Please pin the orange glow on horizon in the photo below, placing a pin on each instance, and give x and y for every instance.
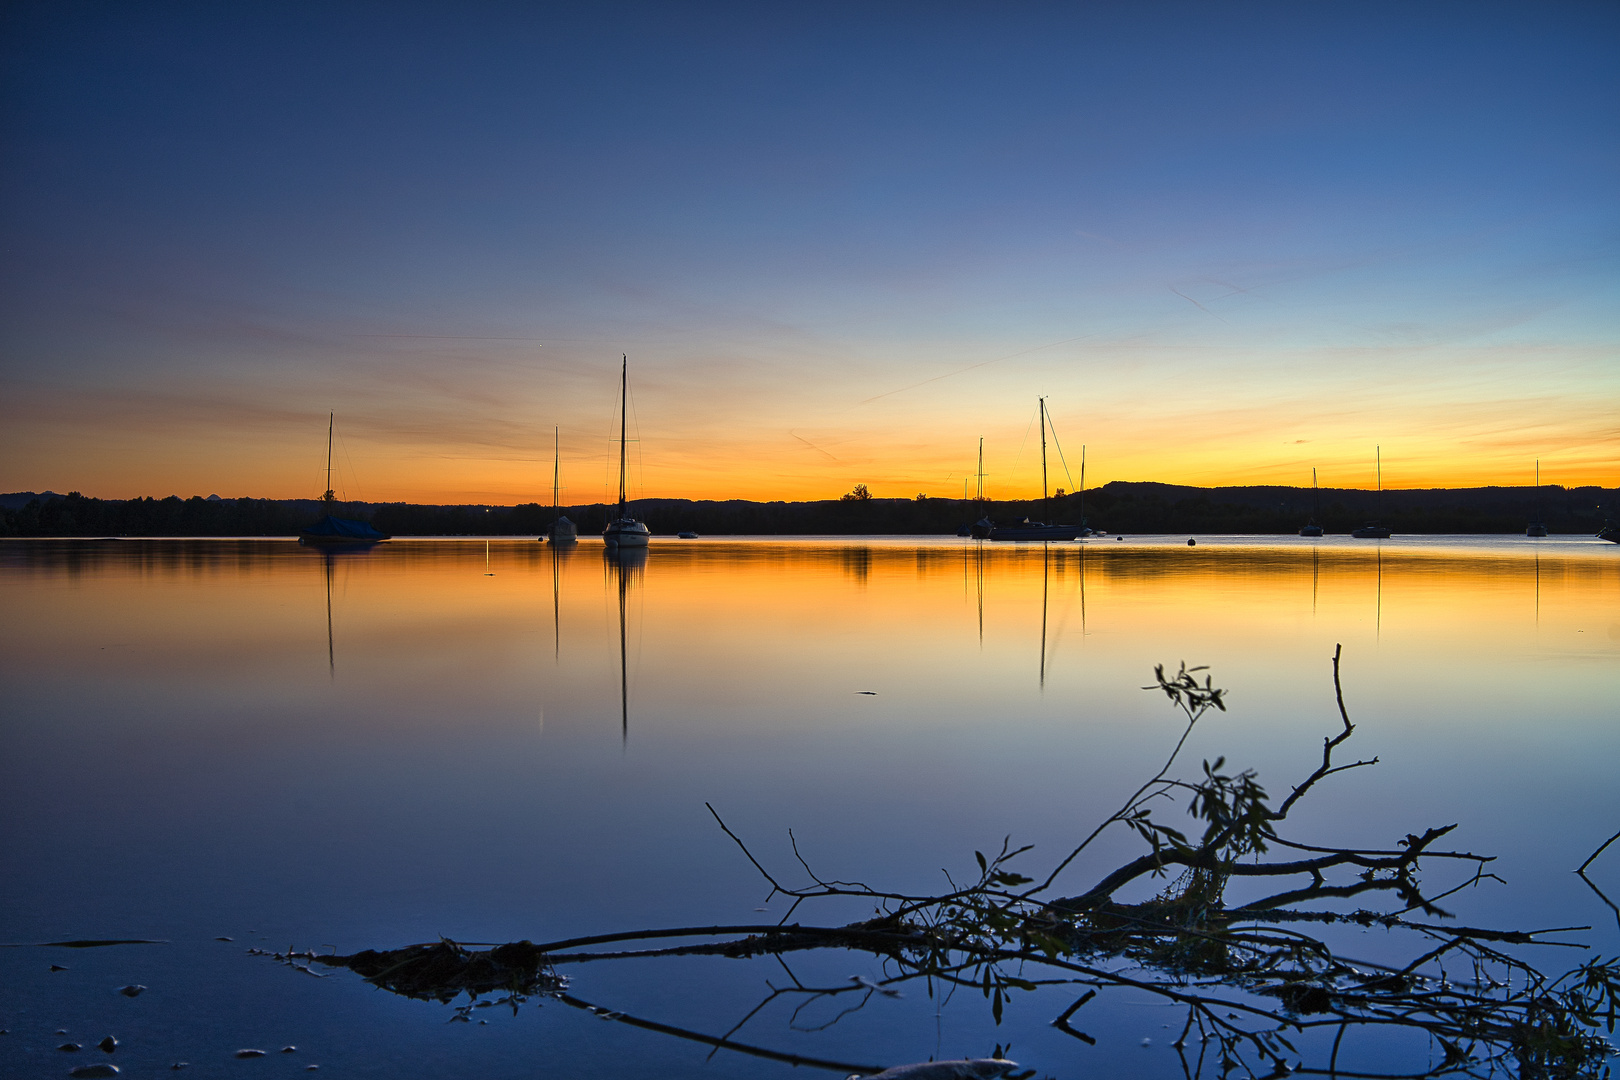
(782, 434)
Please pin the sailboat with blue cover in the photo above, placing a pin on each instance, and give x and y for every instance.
(332, 531)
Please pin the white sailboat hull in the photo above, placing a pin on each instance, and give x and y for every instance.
(626, 532)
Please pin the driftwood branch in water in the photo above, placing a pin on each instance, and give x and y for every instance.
(1247, 976)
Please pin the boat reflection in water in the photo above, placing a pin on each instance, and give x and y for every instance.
(330, 555)
(624, 565)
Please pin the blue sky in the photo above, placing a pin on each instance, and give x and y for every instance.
(839, 244)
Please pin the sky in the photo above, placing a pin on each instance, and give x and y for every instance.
(839, 244)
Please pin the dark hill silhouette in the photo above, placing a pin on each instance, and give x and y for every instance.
(16, 500)
(1120, 507)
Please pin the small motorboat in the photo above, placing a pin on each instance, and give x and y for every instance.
(687, 535)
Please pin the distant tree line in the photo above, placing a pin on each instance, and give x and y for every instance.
(1120, 507)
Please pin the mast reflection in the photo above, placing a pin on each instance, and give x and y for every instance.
(624, 564)
(331, 651)
(330, 554)
(559, 553)
(1046, 573)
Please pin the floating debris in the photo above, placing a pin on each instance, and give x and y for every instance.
(132, 990)
(868, 984)
(224, 939)
(58, 967)
(70, 1047)
(249, 1053)
(180, 1065)
(91, 1072)
(108, 1045)
(289, 1049)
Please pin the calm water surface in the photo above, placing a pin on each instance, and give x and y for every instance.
(247, 739)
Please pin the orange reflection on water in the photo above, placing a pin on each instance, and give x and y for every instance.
(719, 618)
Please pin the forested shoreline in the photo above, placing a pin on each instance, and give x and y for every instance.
(1120, 507)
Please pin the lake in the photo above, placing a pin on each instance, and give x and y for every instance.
(250, 740)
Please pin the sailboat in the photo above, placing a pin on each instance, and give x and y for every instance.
(980, 529)
(1038, 530)
(562, 530)
(1311, 528)
(1537, 527)
(1373, 530)
(624, 531)
(332, 531)
(1085, 530)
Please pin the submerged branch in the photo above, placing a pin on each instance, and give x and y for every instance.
(1247, 975)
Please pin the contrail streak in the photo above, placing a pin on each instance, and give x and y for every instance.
(1194, 303)
(814, 447)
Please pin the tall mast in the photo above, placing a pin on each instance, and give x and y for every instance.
(1316, 496)
(1046, 511)
(1378, 458)
(980, 473)
(1082, 484)
(624, 407)
(328, 497)
(556, 466)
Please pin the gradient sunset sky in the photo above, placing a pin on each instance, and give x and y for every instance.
(840, 243)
